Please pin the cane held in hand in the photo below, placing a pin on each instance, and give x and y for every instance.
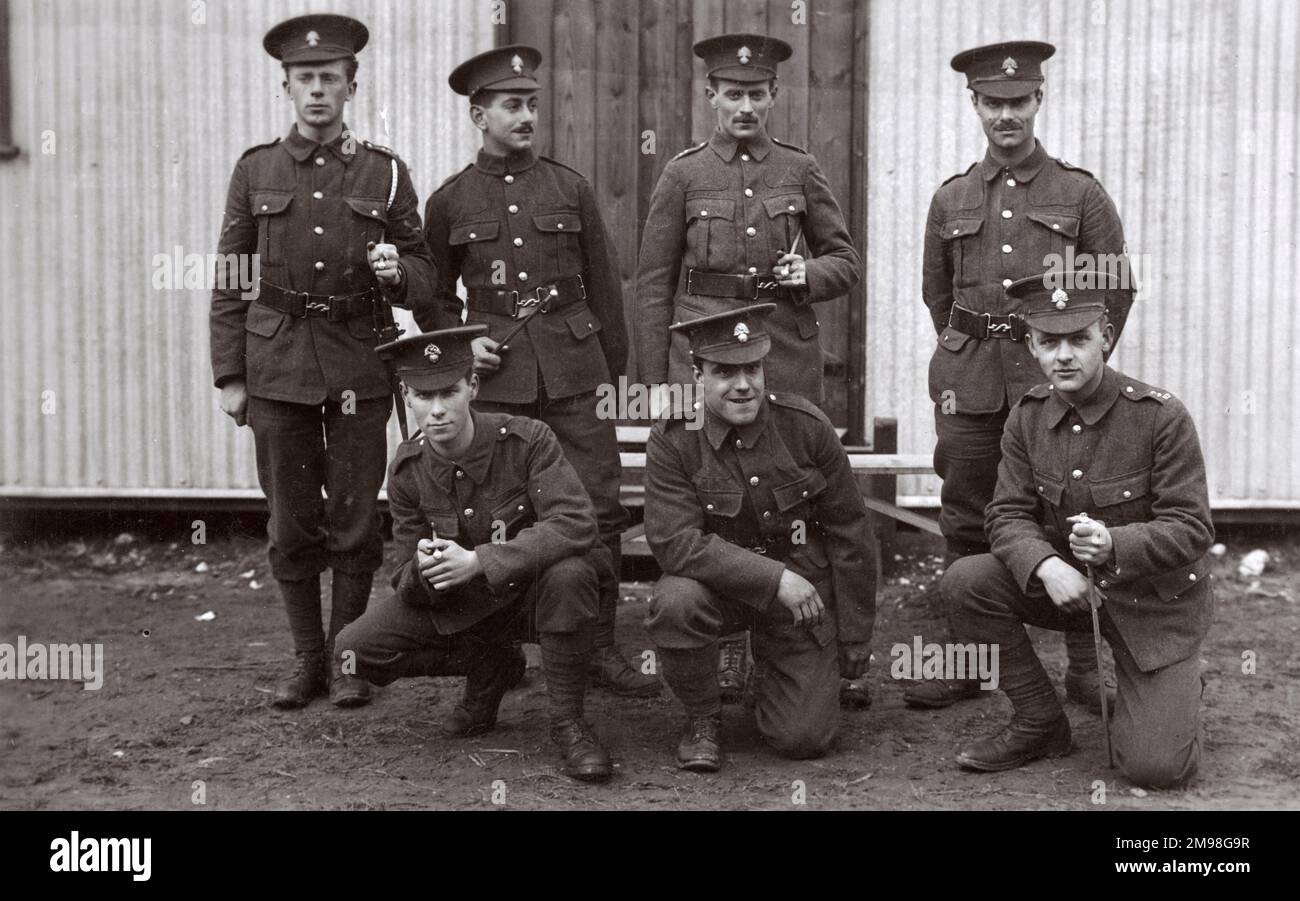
(1094, 604)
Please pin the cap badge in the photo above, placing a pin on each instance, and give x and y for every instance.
(1059, 297)
(516, 64)
(743, 54)
(1009, 66)
(312, 39)
(432, 352)
(741, 332)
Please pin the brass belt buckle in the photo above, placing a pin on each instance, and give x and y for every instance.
(309, 305)
(524, 302)
(990, 328)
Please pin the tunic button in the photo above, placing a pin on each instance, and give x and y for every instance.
(473, 235)
(753, 480)
(753, 270)
(520, 508)
(745, 157)
(374, 212)
(510, 179)
(1076, 429)
(1006, 283)
(1128, 493)
(751, 231)
(1191, 577)
(771, 397)
(523, 276)
(1006, 214)
(740, 444)
(317, 194)
(704, 214)
(460, 474)
(469, 511)
(320, 161)
(790, 208)
(1077, 474)
(804, 493)
(320, 265)
(502, 430)
(1011, 182)
(519, 242)
(1103, 584)
(514, 208)
(956, 231)
(264, 207)
(1006, 248)
(1056, 226)
(318, 230)
(708, 506)
(1128, 388)
(559, 226)
(767, 514)
(749, 192)
(1040, 489)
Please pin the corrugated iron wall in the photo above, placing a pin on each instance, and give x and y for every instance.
(146, 105)
(1187, 111)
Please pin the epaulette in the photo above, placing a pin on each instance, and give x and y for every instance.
(520, 426)
(387, 151)
(259, 147)
(1136, 391)
(1038, 392)
(561, 165)
(689, 150)
(959, 174)
(406, 451)
(798, 402)
(452, 178)
(1073, 168)
(790, 146)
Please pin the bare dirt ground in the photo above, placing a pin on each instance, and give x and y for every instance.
(186, 701)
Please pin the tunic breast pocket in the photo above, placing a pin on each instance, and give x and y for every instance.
(1050, 491)
(476, 240)
(271, 209)
(443, 523)
(560, 237)
(1050, 232)
(710, 232)
(369, 218)
(512, 515)
(960, 238)
(795, 498)
(1123, 499)
(785, 216)
(720, 499)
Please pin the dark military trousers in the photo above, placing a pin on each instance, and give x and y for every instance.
(1155, 731)
(590, 444)
(966, 457)
(304, 448)
(394, 639)
(797, 708)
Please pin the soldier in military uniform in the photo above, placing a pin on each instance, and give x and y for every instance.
(524, 235)
(1101, 476)
(335, 224)
(497, 539)
(1002, 219)
(757, 524)
(739, 218)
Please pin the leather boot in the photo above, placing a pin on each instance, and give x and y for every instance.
(733, 667)
(1083, 674)
(700, 749)
(1038, 727)
(931, 694)
(485, 686)
(349, 594)
(306, 682)
(855, 694)
(610, 670)
(584, 758)
(346, 690)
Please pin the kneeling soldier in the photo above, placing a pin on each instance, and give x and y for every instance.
(495, 530)
(757, 524)
(1101, 479)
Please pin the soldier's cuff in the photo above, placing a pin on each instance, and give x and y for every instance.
(1024, 564)
(397, 293)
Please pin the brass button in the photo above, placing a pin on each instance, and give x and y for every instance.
(519, 242)
(469, 511)
(320, 265)
(1011, 182)
(745, 157)
(751, 231)
(1040, 489)
(704, 214)
(473, 235)
(523, 276)
(708, 506)
(1076, 429)
(318, 230)
(317, 194)
(1077, 474)
(749, 192)
(514, 208)
(1128, 493)
(740, 444)
(753, 270)
(1006, 248)
(374, 212)
(804, 493)
(1056, 226)
(264, 207)
(460, 474)
(320, 161)
(956, 231)
(771, 397)
(510, 179)
(790, 208)
(1006, 283)
(1006, 214)
(520, 508)
(1128, 388)
(559, 226)
(753, 480)
(502, 430)
(767, 514)
(1103, 584)
(1191, 577)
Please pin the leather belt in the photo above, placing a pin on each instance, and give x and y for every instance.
(334, 307)
(986, 325)
(552, 296)
(724, 284)
(776, 547)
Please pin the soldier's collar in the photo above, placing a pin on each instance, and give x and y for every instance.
(300, 147)
(726, 147)
(515, 161)
(475, 461)
(1025, 170)
(1091, 410)
(716, 428)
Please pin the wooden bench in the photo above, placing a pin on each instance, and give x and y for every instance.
(876, 471)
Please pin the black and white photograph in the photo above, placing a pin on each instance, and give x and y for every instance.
(845, 406)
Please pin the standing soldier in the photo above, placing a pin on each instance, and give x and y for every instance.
(757, 524)
(728, 226)
(1101, 498)
(495, 536)
(1012, 215)
(334, 223)
(524, 235)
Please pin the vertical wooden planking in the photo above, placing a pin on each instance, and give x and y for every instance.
(709, 20)
(789, 119)
(856, 369)
(616, 135)
(573, 114)
(745, 15)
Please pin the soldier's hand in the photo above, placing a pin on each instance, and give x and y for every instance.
(1090, 540)
(385, 263)
(797, 595)
(1066, 586)
(854, 657)
(234, 401)
(790, 271)
(486, 358)
(450, 565)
